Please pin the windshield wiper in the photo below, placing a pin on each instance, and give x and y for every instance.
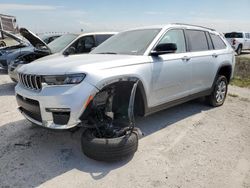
(107, 53)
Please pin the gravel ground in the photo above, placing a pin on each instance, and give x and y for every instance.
(245, 53)
(191, 145)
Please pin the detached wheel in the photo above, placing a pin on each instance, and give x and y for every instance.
(219, 93)
(108, 149)
(239, 50)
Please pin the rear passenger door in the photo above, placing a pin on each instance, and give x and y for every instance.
(202, 59)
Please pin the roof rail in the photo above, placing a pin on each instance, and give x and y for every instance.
(194, 26)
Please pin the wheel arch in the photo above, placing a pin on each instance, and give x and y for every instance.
(225, 70)
(140, 99)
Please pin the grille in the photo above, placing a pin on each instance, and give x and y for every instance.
(29, 81)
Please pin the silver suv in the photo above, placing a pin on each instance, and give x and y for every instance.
(171, 64)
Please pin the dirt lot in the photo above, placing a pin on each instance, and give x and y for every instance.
(191, 145)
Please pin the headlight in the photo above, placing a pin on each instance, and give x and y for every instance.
(63, 79)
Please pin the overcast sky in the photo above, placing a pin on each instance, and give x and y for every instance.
(73, 15)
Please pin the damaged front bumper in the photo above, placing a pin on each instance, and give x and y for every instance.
(55, 107)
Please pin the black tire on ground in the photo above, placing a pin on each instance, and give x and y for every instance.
(108, 149)
(219, 92)
(239, 49)
(2, 44)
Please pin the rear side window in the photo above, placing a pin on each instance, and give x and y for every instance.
(218, 42)
(101, 38)
(197, 40)
(234, 35)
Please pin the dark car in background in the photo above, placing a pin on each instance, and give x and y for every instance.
(67, 44)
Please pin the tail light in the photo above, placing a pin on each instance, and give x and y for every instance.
(233, 41)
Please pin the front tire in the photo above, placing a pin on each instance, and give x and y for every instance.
(108, 149)
(218, 95)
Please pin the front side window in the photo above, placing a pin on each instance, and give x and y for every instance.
(133, 42)
(197, 40)
(83, 44)
(175, 36)
(218, 42)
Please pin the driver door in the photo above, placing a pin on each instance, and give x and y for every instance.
(171, 78)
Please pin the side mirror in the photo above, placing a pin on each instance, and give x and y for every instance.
(164, 48)
(70, 50)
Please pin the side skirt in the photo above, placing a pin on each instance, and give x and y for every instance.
(170, 104)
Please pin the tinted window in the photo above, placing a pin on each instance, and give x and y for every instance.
(84, 44)
(133, 42)
(177, 37)
(218, 42)
(197, 40)
(234, 35)
(101, 38)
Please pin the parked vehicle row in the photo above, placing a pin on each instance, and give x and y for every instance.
(34, 48)
(133, 73)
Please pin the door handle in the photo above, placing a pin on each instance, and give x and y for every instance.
(186, 58)
(215, 55)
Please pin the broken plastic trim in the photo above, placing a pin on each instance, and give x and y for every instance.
(131, 115)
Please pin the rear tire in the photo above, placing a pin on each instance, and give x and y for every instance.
(218, 95)
(239, 50)
(108, 149)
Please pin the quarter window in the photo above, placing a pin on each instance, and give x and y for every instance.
(197, 40)
(218, 42)
(175, 36)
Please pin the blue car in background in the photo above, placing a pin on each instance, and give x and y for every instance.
(30, 44)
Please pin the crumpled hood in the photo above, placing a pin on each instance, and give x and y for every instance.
(80, 63)
(34, 40)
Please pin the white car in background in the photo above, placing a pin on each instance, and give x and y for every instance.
(68, 44)
(239, 41)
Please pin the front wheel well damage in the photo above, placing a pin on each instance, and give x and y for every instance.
(118, 110)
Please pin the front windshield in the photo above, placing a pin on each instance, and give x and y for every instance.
(129, 42)
(60, 43)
